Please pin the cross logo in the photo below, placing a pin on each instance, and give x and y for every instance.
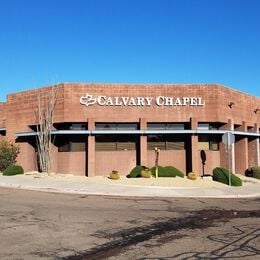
(88, 100)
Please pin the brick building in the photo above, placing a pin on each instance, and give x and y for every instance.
(101, 127)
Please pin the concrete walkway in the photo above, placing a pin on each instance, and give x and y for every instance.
(83, 185)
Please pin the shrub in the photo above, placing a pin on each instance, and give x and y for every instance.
(168, 171)
(136, 171)
(192, 176)
(13, 170)
(114, 175)
(174, 171)
(256, 171)
(8, 154)
(222, 175)
(146, 173)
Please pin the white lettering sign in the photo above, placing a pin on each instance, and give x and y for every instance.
(89, 100)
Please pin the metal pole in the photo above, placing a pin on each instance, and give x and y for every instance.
(229, 157)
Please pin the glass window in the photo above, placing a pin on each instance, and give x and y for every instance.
(175, 143)
(209, 142)
(116, 142)
(105, 126)
(209, 126)
(3, 132)
(127, 126)
(70, 126)
(175, 126)
(156, 126)
(166, 142)
(165, 126)
(203, 126)
(116, 126)
(203, 142)
(71, 143)
(78, 126)
(156, 141)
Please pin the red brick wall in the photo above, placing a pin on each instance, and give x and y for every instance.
(2, 115)
(19, 112)
(72, 163)
(122, 161)
(175, 158)
(212, 161)
(27, 157)
(20, 107)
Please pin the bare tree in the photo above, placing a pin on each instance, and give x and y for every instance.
(44, 124)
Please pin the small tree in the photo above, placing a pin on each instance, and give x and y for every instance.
(44, 123)
(8, 154)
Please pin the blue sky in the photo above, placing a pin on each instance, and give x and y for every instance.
(129, 41)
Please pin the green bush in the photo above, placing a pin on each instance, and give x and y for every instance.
(13, 170)
(136, 171)
(8, 154)
(222, 175)
(173, 171)
(168, 171)
(256, 171)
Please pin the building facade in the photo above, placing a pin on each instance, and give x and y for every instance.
(98, 128)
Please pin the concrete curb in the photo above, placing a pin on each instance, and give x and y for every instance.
(147, 191)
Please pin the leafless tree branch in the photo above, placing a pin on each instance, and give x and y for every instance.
(44, 123)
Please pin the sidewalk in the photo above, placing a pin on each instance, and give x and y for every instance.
(127, 187)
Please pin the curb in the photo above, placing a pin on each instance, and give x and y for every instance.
(121, 194)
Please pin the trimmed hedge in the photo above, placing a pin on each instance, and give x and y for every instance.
(136, 171)
(222, 175)
(256, 172)
(174, 171)
(13, 170)
(168, 171)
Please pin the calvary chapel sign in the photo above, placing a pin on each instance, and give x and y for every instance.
(90, 100)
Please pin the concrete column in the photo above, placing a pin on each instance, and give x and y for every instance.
(91, 152)
(253, 148)
(195, 160)
(241, 150)
(143, 143)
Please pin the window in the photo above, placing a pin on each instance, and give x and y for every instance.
(209, 126)
(2, 133)
(165, 126)
(116, 142)
(71, 143)
(70, 126)
(116, 126)
(209, 142)
(203, 126)
(166, 142)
